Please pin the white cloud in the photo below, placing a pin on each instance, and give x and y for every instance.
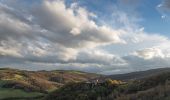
(54, 31)
(72, 24)
(149, 53)
(9, 52)
(54, 35)
(99, 57)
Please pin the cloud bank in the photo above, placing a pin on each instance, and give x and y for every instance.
(51, 34)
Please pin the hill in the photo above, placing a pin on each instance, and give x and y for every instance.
(138, 74)
(84, 91)
(32, 84)
(75, 85)
(156, 87)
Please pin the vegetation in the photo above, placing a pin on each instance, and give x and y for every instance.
(156, 87)
(75, 85)
(84, 91)
(17, 93)
(17, 84)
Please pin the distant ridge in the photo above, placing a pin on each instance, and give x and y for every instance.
(138, 74)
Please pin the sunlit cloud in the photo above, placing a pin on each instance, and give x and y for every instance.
(54, 34)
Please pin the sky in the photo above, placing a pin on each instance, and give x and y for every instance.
(98, 36)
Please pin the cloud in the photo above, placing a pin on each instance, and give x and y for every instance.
(149, 53)
(99, 57)
(52, 34)
(165, 5)
(72, 24)
(164, 8)
(137, 63)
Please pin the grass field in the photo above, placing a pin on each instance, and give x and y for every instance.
(16, 93)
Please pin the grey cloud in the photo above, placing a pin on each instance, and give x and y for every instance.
(137, 63)
(60, 26)
(60, 37)
(55, 31)
(164, 8)
(98, 57)
(13, 25)
(165, 5)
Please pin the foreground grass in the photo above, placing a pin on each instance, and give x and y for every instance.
(16, 93)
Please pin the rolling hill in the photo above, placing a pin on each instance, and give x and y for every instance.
(33, 84)
(155, 87)
(138, 74)
(75, 85)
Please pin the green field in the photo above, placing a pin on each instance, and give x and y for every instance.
(6, 93)
(16, 93)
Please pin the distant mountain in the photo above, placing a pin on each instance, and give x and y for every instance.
(138, 75)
